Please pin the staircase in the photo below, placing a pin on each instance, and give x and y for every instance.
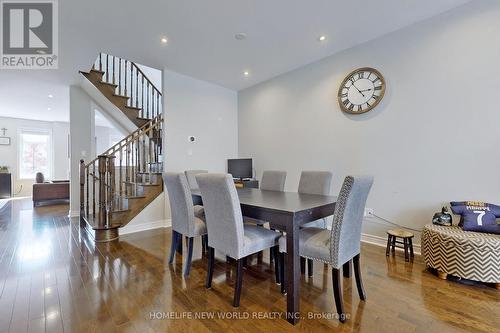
(118, 184)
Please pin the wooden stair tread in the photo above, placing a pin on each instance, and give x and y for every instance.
(109, 84)
(121, 96)
(141, 184)
(97, 71)
(135, 197)
(133, 108)
(147, 173)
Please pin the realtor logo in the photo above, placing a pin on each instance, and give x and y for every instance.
(29, 34)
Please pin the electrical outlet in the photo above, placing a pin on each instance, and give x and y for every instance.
(368, 212)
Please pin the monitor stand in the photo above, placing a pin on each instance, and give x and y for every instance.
(246, 183)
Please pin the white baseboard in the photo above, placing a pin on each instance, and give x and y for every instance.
(73, 213)
(132, 228)
(381, 241)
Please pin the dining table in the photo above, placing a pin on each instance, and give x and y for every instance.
(285, 211)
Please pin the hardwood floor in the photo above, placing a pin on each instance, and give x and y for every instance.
(53, 279)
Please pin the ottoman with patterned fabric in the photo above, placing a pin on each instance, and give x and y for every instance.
(468, 255)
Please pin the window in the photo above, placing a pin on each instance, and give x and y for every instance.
(34, 153)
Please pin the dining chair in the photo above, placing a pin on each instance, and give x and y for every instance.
(340, 244)
(273, 180)
(187, 220)
(226, 231)
(314, 182)
(191, 179)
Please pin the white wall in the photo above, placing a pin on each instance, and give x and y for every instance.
(82, 134)
(198, 108)
(433, 138)
(204, 110)
(9, 155)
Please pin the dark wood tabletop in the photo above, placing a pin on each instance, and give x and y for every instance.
(285, 211)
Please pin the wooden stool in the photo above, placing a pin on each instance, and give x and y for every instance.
(407, 242)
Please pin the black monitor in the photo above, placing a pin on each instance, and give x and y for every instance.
(240, 168)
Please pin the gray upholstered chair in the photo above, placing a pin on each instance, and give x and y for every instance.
(187, 220)
(226, 231)
(340, 244)
(191, 179)
(273, 180)
(314, 182)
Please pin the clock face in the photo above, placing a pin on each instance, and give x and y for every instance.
(361, 90)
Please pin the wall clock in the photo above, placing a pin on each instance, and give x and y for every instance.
(361, 90)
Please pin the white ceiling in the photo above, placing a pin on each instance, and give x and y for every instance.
(282, 35)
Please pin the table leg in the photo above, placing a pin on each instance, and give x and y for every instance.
(292, 273)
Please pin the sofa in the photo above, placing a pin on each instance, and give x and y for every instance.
(50, 190)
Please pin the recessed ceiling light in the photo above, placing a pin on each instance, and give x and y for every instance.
(48, 109)
(322, 38)
(246, 73)
(51, 96)
(240, 36)
(164, 40)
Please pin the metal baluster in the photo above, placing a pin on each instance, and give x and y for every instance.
(82, 188)
(100, 62)
(93, 189)
(136, 88)
(126, 93)
(143, 165)
(127, 163)
(87, 204)
(113, 69)
(119, 76)
(107, 71)
(147, 94)
(120, 189)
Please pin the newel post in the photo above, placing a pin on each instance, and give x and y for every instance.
(102, 220)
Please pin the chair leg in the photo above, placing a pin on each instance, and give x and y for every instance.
(239, 282)
(189, 258)
(302, 265)
(357, 274)
(388, 248)
(310, 267)
(346, 269)
(210, 269)
(275, 254)
(337, 293)
(204, 244)
(282, 257)
(393, 244)
(411, 248)
(173, 247)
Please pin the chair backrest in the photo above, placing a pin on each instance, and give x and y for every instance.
(181, 203)
(222, 213)
(315, 182)
(191, 178)
(273, 180)
(347, 219)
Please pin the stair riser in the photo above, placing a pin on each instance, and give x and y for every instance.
(121, 103)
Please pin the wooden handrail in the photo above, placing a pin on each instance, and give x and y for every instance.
(144, 75)
(134, 133)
